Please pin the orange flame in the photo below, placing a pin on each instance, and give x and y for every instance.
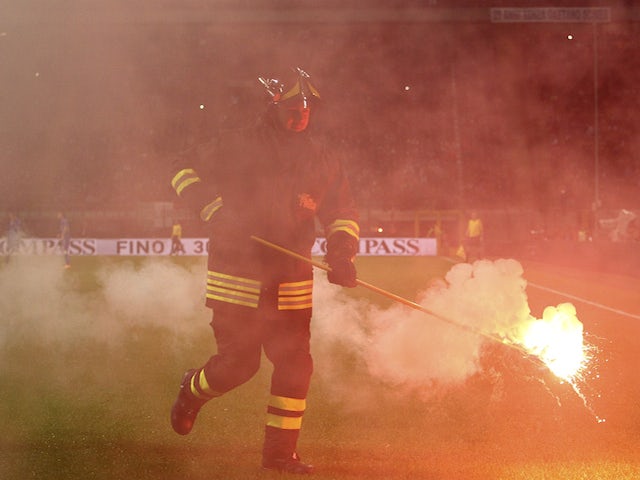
(557, 340)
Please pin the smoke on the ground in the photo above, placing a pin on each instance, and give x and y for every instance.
(355, 342)
(411, 350)
(42, 302)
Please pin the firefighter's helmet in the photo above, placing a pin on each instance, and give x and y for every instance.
(294, 86)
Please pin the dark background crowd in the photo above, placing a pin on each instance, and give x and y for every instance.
(434, 105)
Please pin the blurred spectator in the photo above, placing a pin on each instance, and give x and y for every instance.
(14, 234)
(176, 239)
(474, 238)
(619, 227)
(437, 233)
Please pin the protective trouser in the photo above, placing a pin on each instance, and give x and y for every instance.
(278, 321)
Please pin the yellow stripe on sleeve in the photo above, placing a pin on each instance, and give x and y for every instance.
(183, 179)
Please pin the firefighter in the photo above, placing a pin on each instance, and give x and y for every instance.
(271, 180)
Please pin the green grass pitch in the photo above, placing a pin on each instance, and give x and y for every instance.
(90, 361)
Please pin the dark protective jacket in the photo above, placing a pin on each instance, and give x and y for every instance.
(273, 184)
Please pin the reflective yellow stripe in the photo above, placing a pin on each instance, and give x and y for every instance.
(204, 385)
(183, 179)
(294, 91)
(194, 389)
(313, 89)
(284, 423)
(295, 295)
(299, 303)
(234, 301)
(207, 212)
(295, 288)
(348, 226)
(230, 281)
(201, 380)
(178, 176)
(230, 296)
(232, 289)
(287, 403)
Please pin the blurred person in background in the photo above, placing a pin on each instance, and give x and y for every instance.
(437, 232)
(14, 234)
(64, 238)
(272, 180)
(474, 238)
(177, 247)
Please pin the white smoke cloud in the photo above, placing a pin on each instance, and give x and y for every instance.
(410, 349)
(155, 292)
(41, 301)
(37, 300)
(354, 340)
(486, 296)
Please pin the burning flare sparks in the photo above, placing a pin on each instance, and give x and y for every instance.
(557, 340)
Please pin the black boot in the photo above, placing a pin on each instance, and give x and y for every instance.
(186, 407)
(278, 452)
(291, 464)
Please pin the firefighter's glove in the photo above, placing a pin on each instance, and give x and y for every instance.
(341, 250)
(343, 271)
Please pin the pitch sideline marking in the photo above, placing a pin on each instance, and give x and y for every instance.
(573, 297)
(589, 302)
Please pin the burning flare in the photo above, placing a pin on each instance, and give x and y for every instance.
(557, 340)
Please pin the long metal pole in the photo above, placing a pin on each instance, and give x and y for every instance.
(385, 293)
